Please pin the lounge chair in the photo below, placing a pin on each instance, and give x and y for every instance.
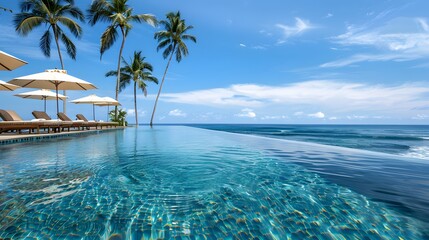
(98, 124)
(77, 124)
(44, 116)
(12, 121)
(9, 124)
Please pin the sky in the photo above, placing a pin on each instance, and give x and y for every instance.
(259, 62)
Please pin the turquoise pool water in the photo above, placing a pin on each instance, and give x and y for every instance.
(188, 183)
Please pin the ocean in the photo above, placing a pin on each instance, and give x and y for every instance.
(404, 140)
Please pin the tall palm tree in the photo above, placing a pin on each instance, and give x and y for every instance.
(51, 14)
(137, 71)
(119, 16)
(172, 39)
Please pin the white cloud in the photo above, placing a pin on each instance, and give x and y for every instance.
(317, 115)
(421, 117)
(259, 47)
(357, 117)
(298, 113)
(130, 112)
(329, 15)
(177, 113)
(274, 117)
(367, 58)
(333, 96)
(300, 26)
(242, 45)
(246, 112)
(333, 118)
(402, 39)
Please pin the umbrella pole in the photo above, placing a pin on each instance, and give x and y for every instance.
(93, 111)
(107, 119)
(56, 90)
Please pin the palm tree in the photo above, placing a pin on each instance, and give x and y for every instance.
(120, 16)
(122, 114)
(52, 14)
(172, 39)
(139, 72)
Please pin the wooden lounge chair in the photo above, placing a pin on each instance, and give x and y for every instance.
(98, 124)
(9, 124)
(13, 122)
(45, 116)
(77, 124)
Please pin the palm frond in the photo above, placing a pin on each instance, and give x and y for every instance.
(74, 28)
(26, 22)
(111, 73)
(151, 78)
(98, 11)
(108, 38)
(45, 43)
(148, 18)
(189, 37)
(163, 44)
(168, 51)
(124, 82)
(72, 11)
(27, 5)
(71, 48)
(179, 55)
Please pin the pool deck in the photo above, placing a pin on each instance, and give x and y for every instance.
(9, 138)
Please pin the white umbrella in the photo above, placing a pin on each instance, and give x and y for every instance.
(108, 101)
(42, 94)
(52, 79)
(91, 99)
(9, 62)
(4, 86)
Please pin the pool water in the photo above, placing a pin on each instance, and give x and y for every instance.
(187, 183)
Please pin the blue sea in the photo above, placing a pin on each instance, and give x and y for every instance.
(403, 140)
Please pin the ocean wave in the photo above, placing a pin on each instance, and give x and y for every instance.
(418, 152)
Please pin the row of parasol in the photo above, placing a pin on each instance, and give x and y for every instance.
(53, 79)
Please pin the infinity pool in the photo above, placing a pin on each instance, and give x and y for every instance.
(188, 183)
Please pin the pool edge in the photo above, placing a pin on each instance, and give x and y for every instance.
(37, 137)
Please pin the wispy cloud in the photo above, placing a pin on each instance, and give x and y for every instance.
(317, 115)
(333, 96)
(132, 112)
(402, 39)
(275, 117)
(246, 112)
(288, 31)
(177, 113)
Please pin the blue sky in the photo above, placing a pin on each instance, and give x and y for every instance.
(335, 62)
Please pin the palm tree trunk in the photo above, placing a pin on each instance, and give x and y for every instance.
(118, 79)
(135, 103)
(54, 28)
(160, 86)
